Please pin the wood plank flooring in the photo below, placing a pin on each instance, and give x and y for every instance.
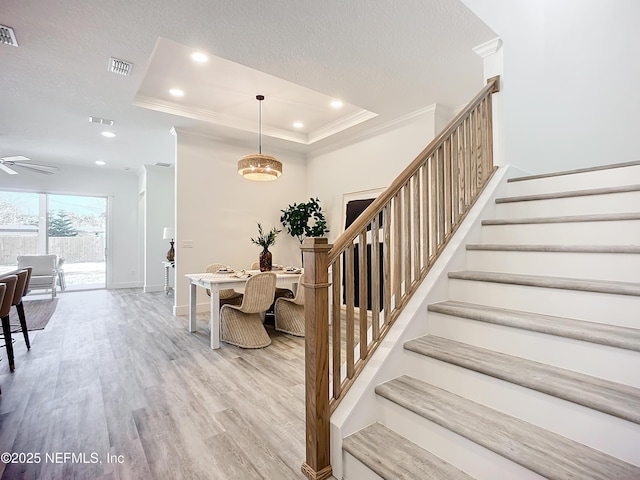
(115, 376)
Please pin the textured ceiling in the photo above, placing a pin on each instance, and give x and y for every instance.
(387, 57)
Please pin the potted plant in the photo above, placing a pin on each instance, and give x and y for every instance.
(265, 240)
(304, 220)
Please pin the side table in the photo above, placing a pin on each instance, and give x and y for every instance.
(167, 267)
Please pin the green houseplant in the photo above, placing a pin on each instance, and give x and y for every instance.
(304, 220)
(265, 240)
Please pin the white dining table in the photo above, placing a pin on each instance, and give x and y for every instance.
(221, 281)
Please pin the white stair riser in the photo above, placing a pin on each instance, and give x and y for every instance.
(468, 456)
(353, 469)
(594, 266)
(624, 232)
(627, 202)
(610, 363)
(559, 416)
(579, 181)
(595, 307)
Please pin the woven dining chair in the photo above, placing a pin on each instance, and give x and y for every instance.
(289, 314)
(242, 326)
(227, 296)
(280, 292)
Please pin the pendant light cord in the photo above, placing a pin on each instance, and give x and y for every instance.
(260, 98)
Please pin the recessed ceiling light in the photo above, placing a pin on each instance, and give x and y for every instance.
(108, 134)
(298, 124)
(199, 57)
(100, 162)
(336, 104)
(176, 92)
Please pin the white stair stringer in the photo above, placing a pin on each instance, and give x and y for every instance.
(530, 367)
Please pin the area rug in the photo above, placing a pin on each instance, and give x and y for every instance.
(37, 312)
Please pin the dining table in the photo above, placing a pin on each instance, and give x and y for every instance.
(220, 281)
(8, 269)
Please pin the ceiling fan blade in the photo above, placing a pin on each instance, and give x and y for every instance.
(8, 170)
(16, 158)
(46, 169)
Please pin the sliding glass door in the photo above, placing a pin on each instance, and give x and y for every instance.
(76, 233)
(70, 226)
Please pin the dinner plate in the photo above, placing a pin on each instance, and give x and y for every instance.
(226, 270)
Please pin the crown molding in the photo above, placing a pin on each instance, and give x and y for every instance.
(432, 110)
(208, 116)
(217, 119)
(488, 48)
(340, 125)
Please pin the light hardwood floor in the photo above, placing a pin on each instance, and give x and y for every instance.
(115, 374)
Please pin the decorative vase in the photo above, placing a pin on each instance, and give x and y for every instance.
(171, 253)
(265, 260)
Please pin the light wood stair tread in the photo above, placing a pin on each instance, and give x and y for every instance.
(622, 249)
(548, 454)
(392, 456)
(596, 286)
(600, 217)
(615, 399)
(600, 333)
(570, 194)
(572, 172)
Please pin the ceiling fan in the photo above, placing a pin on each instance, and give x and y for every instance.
(7, 164)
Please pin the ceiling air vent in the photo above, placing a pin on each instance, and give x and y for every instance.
(8, 36)
(120, 66)
(101, 121)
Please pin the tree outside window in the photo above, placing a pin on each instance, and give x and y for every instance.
(61, 225)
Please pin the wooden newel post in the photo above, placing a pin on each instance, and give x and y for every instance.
(315, 251)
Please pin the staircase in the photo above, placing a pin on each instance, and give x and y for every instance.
(531, 368)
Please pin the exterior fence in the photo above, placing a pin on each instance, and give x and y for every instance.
(72, 249)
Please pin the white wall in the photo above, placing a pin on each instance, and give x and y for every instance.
(570, 80)
(158, 188)
(369, 163)
(121, 188)
(217, 210)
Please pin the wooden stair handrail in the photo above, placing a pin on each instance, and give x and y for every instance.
(343, 241)
(398, 238)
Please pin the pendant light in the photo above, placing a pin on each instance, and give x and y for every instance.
(256, 166)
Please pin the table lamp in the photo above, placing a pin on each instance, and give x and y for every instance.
(168, 235)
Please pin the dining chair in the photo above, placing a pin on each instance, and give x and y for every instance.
(5, 307)
(228, 296)
(289, 313)
(62, 281)
(22, 287)
(280, 292)
(3, 288)
(44, 275)
(242, 325)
